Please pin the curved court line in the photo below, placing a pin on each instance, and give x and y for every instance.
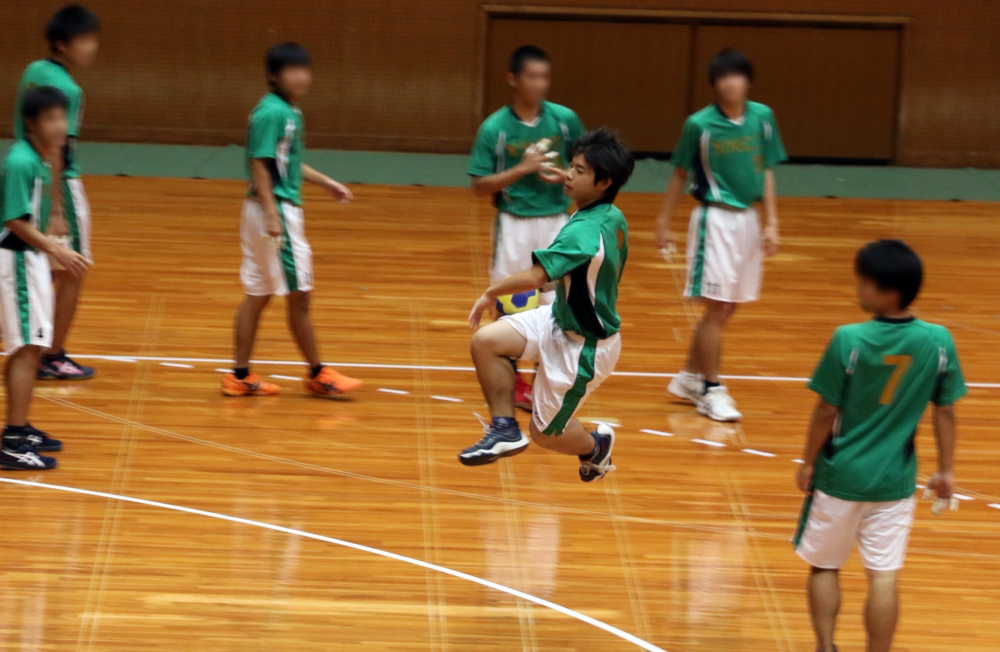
(362, 548)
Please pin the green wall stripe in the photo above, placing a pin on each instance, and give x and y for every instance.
(571, 401)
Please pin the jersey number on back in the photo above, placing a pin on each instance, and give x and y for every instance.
(901, 363)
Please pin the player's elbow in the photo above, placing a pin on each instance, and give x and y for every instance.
(479, 188)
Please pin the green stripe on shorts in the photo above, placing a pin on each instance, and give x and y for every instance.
(287, 256)
(803, 520)
(23, 309)
(698, 269)
(571, 401)
(69, 212)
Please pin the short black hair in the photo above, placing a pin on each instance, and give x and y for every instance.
(524, 54)
(605, 152)
(892, 265)
(730, 61)
(282, 55)
(69, 22)
(40, 99)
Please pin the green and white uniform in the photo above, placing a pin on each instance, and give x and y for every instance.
(26, 300)
(47, 72)
(726, 161)
(272, 267)
(575, 341)
(530, 212)
(880, 374)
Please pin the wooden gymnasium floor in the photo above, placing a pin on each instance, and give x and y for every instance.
(391, 544)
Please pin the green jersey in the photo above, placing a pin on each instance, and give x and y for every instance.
(275, 135)
(47, 72)
(500, 145)
(25, 192)
(587, 259)
(726, 159)
(881, 375)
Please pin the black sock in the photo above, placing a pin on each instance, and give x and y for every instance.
(13, 436)
(241, 373)
(53, 356)
(314, 371)
(709, 385)
(590, 455)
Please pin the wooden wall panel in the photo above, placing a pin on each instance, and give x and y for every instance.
(632, 76)
(834, 91)
(407, 74)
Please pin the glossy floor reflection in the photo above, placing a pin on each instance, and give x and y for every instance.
(684, 548)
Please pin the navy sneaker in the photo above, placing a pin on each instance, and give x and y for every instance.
(502, 438)
(41, 440)
(598, 464)
(24, 458)
(62, 367)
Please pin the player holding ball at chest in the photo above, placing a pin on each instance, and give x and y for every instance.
(575, 340)
(516, 160)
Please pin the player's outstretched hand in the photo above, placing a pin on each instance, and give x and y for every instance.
(339, 191)
(71, 261)
(552, 174)
(804, 478)
(476, 316)
(770, 240)
(533, 160)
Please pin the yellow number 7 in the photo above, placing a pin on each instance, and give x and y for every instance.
(901, 364)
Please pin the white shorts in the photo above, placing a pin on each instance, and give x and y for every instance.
(77, 212)
(829, 527)
(724, 254)
(514, 240)
(269, 267)
(26, 299)
(569, 366)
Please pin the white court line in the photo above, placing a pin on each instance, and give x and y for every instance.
(417, 367)
(613, 424)
(709, 443)
(285, 377)
(963, 497)
(994, 505)
(392, 391)
(177, 365)
(761, 453)
(448, 398)
(657, 432)
(357, 546)
(223, 371)
(797, 461)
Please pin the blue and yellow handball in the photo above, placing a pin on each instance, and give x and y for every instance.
(510, 304)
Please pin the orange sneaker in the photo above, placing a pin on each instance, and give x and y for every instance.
(330, 383)
(252, 385)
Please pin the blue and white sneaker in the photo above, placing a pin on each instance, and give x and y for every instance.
(598, 464)
(502, 438)
(41, 440)
(25, 458)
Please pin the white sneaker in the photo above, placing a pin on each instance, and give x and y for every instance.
(687, 386)
(717, 404)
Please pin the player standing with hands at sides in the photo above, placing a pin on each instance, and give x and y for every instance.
(726, 151)
(860, 464)
(32, 166)
(507, 165)
(277, 259)
(575, 340)
(74, 37)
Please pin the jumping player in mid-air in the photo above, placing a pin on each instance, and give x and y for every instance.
(73, 33)
(727, 151)
(528, 195)
(26, 306)
(575, 340)
(874, 383)
(277, 259)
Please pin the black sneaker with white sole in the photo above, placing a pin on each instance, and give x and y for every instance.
(502, 437)
(598, 464)
(40, 440)
(25, 458)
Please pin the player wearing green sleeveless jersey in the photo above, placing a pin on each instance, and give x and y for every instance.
(277, 258)
(860, 464)
(73, 35)
(725, 156)
(26, 304)
(575, 341)
(507, 165)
